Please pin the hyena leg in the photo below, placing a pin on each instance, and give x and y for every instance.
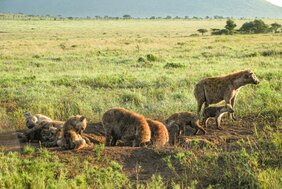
(231, 115)
(81, 143)
(205, 121)
(108, 139)
(114, 141)
(198, 127)
(196, 132)
(218, 121)
(200, 104)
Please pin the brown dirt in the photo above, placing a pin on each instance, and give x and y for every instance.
(143, 162)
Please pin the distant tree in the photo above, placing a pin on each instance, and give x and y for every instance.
(202, 31)
(256, 26)
(275, 26)
(127, 16)
(218, 17)
(230, 26)
(168, 17)
(260, 26)
(152, 17)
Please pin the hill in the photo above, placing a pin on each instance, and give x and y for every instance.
(146, 8)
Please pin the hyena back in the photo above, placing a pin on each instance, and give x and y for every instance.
(159, 133)
(130, 127)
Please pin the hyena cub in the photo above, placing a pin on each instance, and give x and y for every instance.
(130, 127)
(72, 130)
(216, 112)
(159, 133)
(177, 123)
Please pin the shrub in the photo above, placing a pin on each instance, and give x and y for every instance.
(141, 59)
(152, 58)
(220, 32)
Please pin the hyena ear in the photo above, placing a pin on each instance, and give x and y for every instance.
(82, 118)
(27, 114)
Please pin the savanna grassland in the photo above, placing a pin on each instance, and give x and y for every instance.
(66, 67)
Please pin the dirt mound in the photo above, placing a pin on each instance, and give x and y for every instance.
(144, 162)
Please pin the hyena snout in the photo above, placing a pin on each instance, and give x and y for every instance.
(255, 79)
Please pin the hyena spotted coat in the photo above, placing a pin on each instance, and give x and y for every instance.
(159, 133)
(177, 123)
(72, 130)
(216, 112)
(32, 120)
(213, 90)
(184, 119)
(130, 127)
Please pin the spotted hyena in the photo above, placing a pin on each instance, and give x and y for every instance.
(130, 127)
(159, 133)
(177, 123)
(32, 120)
(216, 112)
(40, 132)
(72, 130)
(213, 90)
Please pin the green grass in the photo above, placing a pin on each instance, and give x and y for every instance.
(61, 68)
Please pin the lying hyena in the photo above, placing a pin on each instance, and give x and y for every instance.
(159, 133)
(72, 130)
(32, 120)
(212, 90)
(52, 133)
(40, 132)
(216, 112)
(130, 127)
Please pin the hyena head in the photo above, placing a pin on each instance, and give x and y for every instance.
(227, 108)
(79, 123)
(46, 133)
(250, 77)
(30, 120)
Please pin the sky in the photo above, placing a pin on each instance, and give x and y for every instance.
(276, 2)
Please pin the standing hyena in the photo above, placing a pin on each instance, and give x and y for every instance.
(130, 127)
(159, 133)
(212, 90)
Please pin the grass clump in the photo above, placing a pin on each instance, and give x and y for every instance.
(174, 65)
(152, 58)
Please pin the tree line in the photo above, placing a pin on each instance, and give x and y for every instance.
(255, 26)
